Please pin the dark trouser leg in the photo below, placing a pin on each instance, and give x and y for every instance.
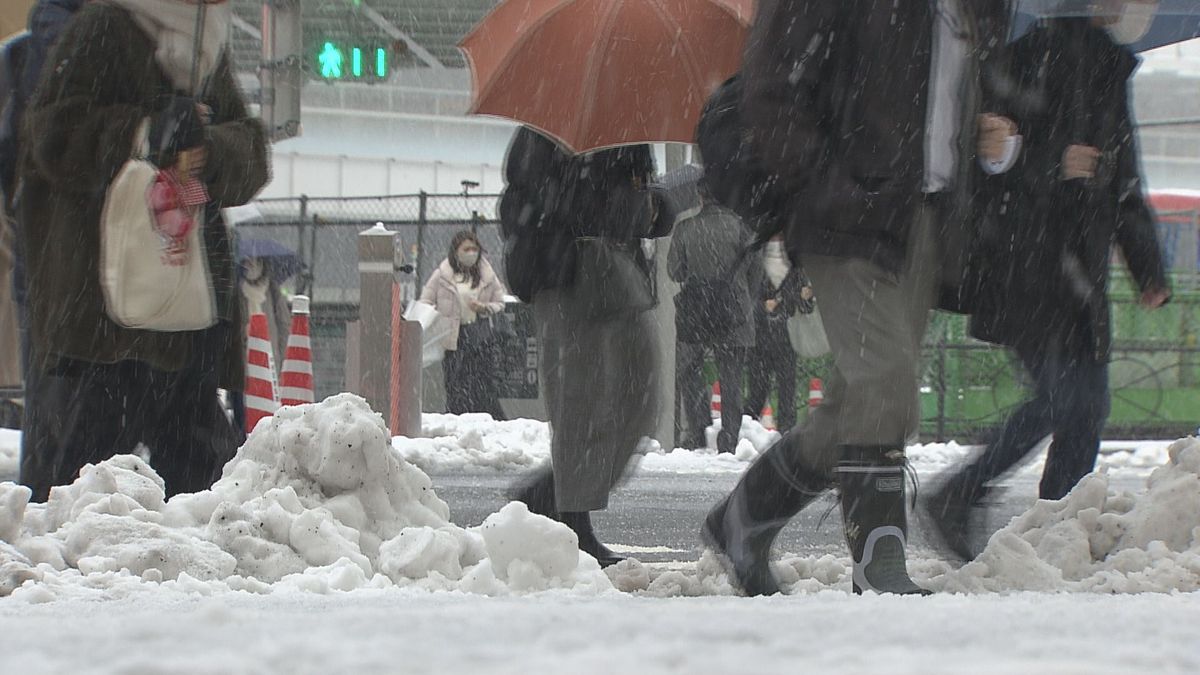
(758, 371)
(692, 393)
(730, 360)
(81, 413)
(1080, 401)
(456, 386)
(785, 376)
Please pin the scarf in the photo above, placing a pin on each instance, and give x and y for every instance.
(172, 26)
(776, 263)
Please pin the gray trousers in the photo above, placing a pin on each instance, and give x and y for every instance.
(600, 381)
(875, 322)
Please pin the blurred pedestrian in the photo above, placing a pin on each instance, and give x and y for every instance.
(709, 259)
(862, 116)
(468, 294)
(125, 68)
(573, 227)
(782, 292)
(1045, 250)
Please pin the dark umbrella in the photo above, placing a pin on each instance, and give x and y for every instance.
(283, 262)
(1175, 20)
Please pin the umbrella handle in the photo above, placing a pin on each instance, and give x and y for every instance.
(198, 37)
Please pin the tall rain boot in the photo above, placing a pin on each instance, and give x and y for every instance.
(741, 528)
(581, 523)
(873, 514)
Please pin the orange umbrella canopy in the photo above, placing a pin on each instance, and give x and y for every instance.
(603, 73)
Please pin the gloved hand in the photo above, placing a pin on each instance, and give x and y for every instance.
(176, 128)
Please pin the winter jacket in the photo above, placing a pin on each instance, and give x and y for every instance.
(79, 131)
(1045, 244)
(834, 108)
(441, 292)
(47, 21)
(713, 246)
(771, 327)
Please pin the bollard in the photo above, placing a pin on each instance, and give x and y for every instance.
(389, 348)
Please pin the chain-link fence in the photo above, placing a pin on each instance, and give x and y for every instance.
(967, 387)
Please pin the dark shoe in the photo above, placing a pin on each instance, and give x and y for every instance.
(537, 492)
(581, 523)
(947, 517)
(873, 513)
(742, 528)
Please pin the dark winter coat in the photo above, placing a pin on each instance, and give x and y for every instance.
(47, 21)
(713, 246)
(834, 106)
(557, 197)
(771, 327)
(78, 132)
(1046, 244)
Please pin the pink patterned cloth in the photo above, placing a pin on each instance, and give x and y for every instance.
(175, 203)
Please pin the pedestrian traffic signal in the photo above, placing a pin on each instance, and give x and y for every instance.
(352, 63)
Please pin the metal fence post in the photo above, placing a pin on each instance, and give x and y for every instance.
(941, 388)
(422, 223)
(306, 278)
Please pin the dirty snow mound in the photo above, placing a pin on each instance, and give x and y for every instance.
(317, 500)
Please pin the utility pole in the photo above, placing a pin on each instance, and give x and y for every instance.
(280, 73)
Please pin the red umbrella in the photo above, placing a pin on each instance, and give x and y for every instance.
(602, 73)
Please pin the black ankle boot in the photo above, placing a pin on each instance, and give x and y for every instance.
(873, 514)
(581, 523)
(742, 527)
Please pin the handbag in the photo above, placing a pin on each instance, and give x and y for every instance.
(610, 281)
(153, 271)
(807, 335)
(707, 310)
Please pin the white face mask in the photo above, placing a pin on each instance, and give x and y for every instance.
(1133, 23)
(468, 258)
(774, 248)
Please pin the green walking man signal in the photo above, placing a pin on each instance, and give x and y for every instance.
(334, 66)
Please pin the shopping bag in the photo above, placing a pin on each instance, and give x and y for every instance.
(807, 335)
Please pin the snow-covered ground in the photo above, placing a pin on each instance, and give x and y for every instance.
(324, 548)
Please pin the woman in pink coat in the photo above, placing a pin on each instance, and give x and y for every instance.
(467, 293)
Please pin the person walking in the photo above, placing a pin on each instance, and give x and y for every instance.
(863, 115)
(783, 292)
(1045, 249)
(573, 227)
(713, 314)
(467, 294)
(125, 68)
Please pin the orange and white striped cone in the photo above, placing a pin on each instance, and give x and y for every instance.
(816, 393)
(715, 408)
(296, 377)
(260, 373)
(768, 418)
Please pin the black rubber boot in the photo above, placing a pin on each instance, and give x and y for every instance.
(873, 513)
(741, 528)
(581, 523)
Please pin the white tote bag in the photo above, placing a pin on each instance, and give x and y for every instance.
(434, 329)
(151, 280)
(807, 334)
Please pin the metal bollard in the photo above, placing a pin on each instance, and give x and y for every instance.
(389, 348)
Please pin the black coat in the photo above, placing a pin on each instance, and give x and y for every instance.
(1046, 244)
(556, 197)
(834, 105)
(771, 327)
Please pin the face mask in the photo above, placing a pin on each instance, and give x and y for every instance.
(1134, 22)
(468, 258)
(774, 247)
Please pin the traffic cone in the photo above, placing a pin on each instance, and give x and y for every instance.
(260, 373)
(296, 377)
(716, 401)
(816, 394)
(768, 418)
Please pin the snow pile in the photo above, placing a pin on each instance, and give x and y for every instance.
(1097, 541)
(476, 443)
(316, 500)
